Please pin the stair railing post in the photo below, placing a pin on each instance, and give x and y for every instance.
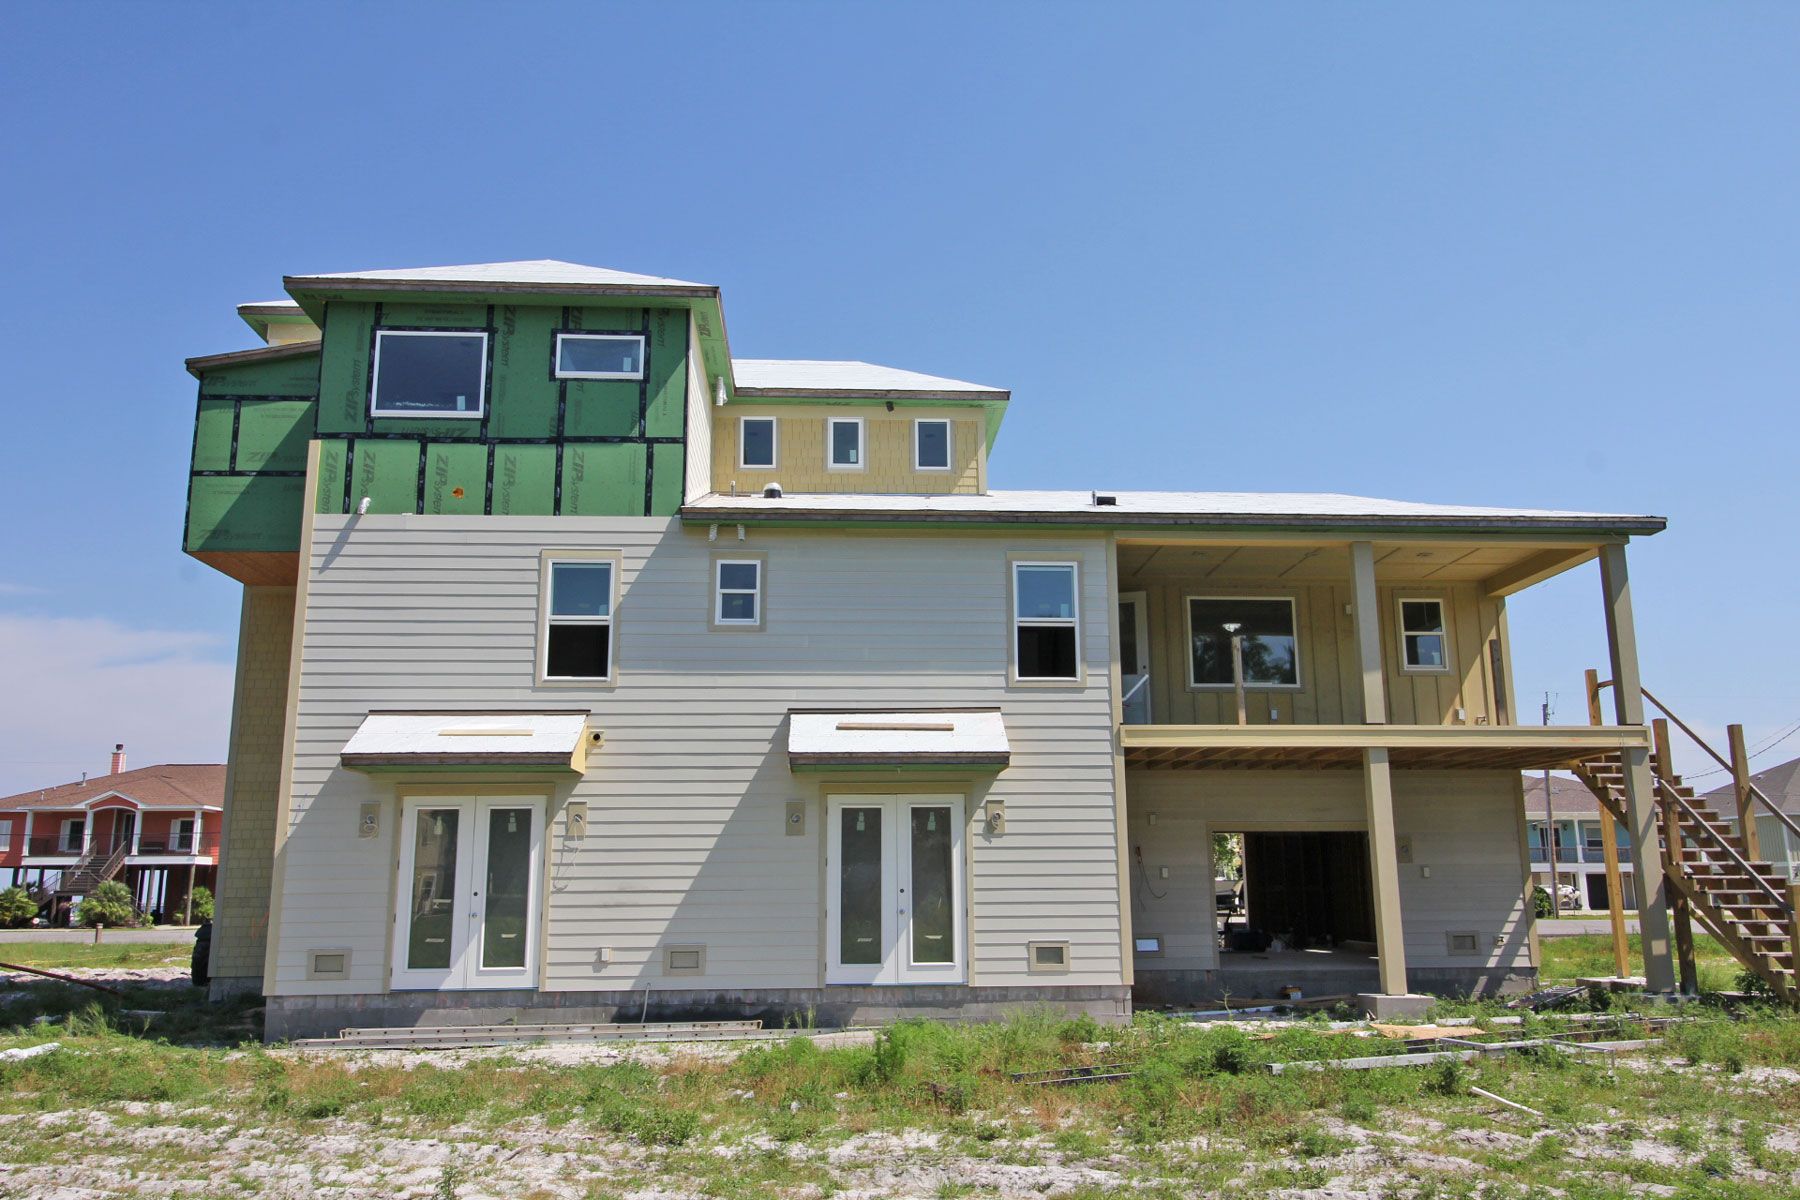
(1793, 897)
(1609, 837)
(1746, 808)
(1673, 867)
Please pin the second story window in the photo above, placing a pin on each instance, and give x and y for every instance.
(1046, 636)
(756, 442)
(578, 619)
(931, 445)
(1423, 639)
(74, 833)
(5, 836)
(599, 356)
(738, 589)
(1266, 627)
(844, 443)
(429, 373)
(181, 836)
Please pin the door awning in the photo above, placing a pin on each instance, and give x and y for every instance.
(938, 737)
(463, 741)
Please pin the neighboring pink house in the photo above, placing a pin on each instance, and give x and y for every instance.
(156, 829)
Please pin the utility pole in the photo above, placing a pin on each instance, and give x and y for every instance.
(1550, 825)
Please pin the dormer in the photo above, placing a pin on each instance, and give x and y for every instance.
(833, 427)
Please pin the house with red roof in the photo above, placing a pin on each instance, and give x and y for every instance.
(155, 829)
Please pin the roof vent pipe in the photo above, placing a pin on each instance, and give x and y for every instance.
(772, 491)
(1102, 500)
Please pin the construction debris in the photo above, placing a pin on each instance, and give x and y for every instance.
(61, 978)
(1487, 1095)
(1106, 1073)
(450, 1037)
(24, 1052)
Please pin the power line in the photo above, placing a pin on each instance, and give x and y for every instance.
(1756, 753)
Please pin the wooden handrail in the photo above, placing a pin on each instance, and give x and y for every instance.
(1674, 851)
(1595, 686)
(1699, 741)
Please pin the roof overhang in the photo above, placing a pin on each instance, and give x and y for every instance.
(959, 738)
(1341, 747)
(553, 742)
(208, 362)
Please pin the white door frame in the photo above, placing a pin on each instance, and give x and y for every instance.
(468, 912)
(895, 963)
(1140, 611)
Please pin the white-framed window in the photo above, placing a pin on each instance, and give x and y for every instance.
(931, 444)
(5, 836)
(181, 836)
(578, 618)
(737, 591)
(1046, 621)
(599, 356)
(1268, 628)
(844, 443)
(430, 373)
(1424, 638)
(757, 443)
(74, 831)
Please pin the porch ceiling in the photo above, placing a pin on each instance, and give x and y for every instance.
(1340, 747)
(1502, 568)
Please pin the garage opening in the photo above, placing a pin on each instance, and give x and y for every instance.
(1295, 893)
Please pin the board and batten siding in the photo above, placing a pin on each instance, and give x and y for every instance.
(1330, 691)
(687, 840)
(1463, 825)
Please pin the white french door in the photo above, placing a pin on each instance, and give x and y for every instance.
(894, 890)
(468, 898)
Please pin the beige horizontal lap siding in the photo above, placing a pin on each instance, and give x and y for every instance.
(687, 798)
(1463, 826)
(887, 445)
(1330, 685)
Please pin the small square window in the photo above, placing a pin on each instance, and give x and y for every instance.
(1046, 641)
(844, 449)
(1426, 644)
(737, 592)
(429, 373)
(599, 356)
(931, 445)
(756, 443)
(578, 620)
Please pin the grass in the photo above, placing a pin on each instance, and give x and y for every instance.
(1565, 959)
(190, 1104)
(53, 955)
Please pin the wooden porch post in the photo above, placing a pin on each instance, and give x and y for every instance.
(1746, 810)
(1640, 788)
(1368, 632)
(187, 899)
(1678, 901)
(1384, 869)
(1609, 849)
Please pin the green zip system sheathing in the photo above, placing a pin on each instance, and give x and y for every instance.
(544, 446)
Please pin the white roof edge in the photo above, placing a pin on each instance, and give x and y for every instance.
(1129, 506)
(842, 377)
(543, 272)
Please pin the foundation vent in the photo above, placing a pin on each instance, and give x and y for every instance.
(1048, 957)
(328, 964)
(684, 960)
(1464, 942)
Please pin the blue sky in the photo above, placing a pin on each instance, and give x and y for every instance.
(1537, 255)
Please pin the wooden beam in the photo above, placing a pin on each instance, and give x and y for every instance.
(1384, 871)
(1746, 807)
(1367, 608)
(1640, 788)
(1534, 569)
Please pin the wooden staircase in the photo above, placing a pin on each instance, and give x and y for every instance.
(1713, 874)
(92, 869)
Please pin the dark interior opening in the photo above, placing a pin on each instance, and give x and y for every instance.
(1309, 889)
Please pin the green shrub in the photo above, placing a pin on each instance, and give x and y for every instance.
(108, 904)
(16, 908)
(1542, 906)
(202, 904)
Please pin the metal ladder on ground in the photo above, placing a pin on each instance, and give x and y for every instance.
(1712, 864)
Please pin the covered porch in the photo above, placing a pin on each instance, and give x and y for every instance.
(1365, 662)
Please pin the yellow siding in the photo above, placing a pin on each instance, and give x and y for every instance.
(1329, 692)
(800, 452)
(246, 858)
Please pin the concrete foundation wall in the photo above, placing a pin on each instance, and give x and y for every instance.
(323, 1016)
(252, 779)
